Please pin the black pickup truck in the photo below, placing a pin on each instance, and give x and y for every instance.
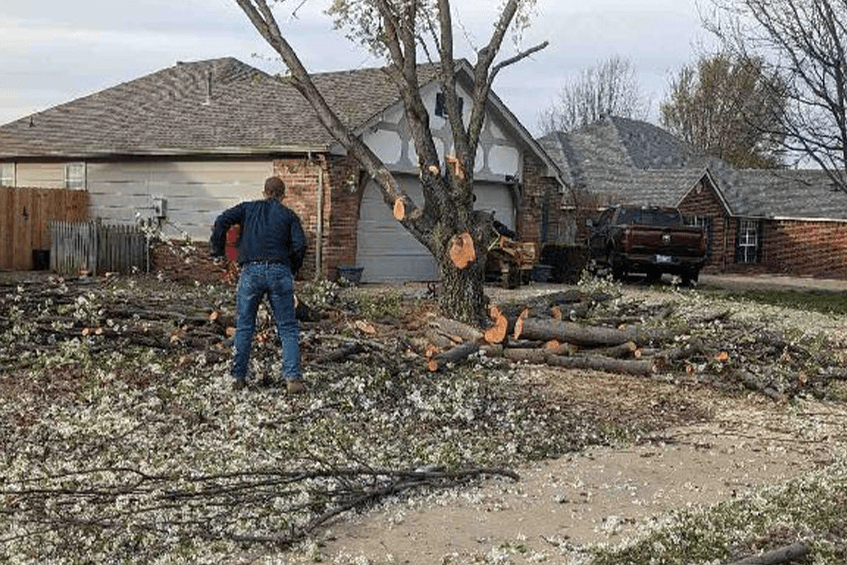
(649, 240)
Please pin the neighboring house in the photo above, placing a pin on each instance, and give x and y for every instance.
(180, 145)
(758, 221)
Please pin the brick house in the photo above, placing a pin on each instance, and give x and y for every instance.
(176, 147)
(758, 221)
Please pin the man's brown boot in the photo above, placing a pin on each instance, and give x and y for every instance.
(296, 387)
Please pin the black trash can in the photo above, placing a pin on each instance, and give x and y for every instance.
(40, 259)
(350, 273)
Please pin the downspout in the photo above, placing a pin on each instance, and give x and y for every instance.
(319, 228)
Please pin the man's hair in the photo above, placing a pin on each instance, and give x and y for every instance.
(274, 188)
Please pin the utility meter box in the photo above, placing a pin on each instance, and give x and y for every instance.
(160, 207)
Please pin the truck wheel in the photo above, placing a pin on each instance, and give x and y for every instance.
(618, 272)
(689, 278)
(653, 275)
(510, 279)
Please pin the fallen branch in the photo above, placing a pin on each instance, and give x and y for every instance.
(752, 382)
(627, 349)
(454, 355)
(778, 556)
(588, 362)
(451, 328)
(339, 354)
(500, 326)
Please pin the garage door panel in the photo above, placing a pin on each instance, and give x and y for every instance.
(389, 253)
(496, 198)
(386, 250)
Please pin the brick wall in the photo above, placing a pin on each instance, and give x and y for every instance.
(341, 214)
(339, 177)
(807, 248)
(704, 201)
(540, 194)
(301, 177)
(791, 247)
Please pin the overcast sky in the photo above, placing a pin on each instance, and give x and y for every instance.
(54, 51)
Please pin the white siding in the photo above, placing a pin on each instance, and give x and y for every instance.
(196, 191)
(41, 175)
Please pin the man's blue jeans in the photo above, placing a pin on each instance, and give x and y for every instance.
(275, 281)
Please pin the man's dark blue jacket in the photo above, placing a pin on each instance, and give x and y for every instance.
(270, 231)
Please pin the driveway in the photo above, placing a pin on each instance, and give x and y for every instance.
(772, 282)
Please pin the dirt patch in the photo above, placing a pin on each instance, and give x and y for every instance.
(604, 494)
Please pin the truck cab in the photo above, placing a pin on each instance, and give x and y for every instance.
(647, 239)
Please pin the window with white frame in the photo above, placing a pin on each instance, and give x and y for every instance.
(704, 222)
(7, 174)
(749, 238)
(75, 176)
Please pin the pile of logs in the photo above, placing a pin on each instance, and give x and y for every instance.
(563, 330)
(541, 332)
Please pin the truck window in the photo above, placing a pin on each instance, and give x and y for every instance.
(649, 217)
(665, 218)
(629, 216)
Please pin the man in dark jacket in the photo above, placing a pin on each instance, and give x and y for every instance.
(271, 249)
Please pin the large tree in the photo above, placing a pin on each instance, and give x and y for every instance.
(608, 88)
(729, 108)
(401, 30)
(804, 42)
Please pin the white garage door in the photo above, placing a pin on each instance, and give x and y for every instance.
(389, 253)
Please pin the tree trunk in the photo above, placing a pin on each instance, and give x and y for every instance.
(461, 295)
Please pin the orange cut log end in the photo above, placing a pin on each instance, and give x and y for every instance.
(458, 170)
(463, 251)
(516, 334)
(399, 210)
(497, 332)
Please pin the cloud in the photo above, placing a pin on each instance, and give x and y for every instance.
(76, 48)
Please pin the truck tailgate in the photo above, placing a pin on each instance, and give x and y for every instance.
(665, 241)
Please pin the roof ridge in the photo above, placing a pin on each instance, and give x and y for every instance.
(226, 62)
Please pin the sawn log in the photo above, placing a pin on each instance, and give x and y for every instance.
(570, 332)
(589, 362)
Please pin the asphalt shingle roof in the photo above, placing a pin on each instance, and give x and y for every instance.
(642, 164)
(219, 106)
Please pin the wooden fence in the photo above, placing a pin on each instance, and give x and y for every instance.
(24, 217)
(97, 248)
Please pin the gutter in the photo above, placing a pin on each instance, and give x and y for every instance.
(170, 152)
(793, 219)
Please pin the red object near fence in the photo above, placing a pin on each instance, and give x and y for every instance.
(231, 242)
